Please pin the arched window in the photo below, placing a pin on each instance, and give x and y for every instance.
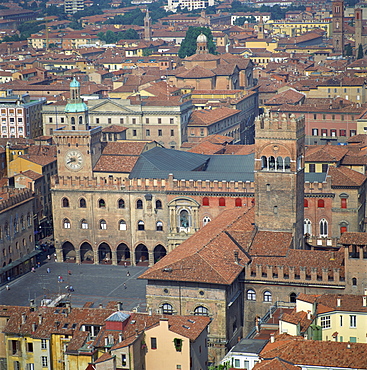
(82, 203)
(22, 223)
(238, 202)
(201, 311)
(206, 220)
(103, 225)
(205, 201)
(271, 163)
(287, 164)
(139, 204)
(354, 281)
(222, 202)
(141, 225)
(167, 309)
(29, 220)
(158, 204)
(121, 203)
(280, 164)
(321, 203)
(15, 226)
(80, 120)
(293, 297)
(267, 296)
(101, 203)
(159, 226)
(305, 203)
(65, 202)
(307, 226)
(122, 225)
(66, 223)
(251, 295)
(73, 120)
(184, 218)
(84, 224)
(264, 163)
(6, 229)
(323, 228)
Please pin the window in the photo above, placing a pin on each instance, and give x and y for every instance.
(201, 311)
(321, 203)
(101, 203)
(354, 282)
(134, 132)
(159, 120)
(44, 361)
(315, 132)
(139, 204)
(325, 322)
(160, 133)
(121, 203)
(251, 295)
(293, 298)
(50, 119)
(158, 204)
(342, 132)
(141, 225)
(238, 202)
(324, 116)
(147, 121)
(84, 224)
(97, 120)
(82, 203)
(315, 116)
(222, 202)
(134, 121)
(205, 201)
(147, 132)
(123, 360)
(206, 220)
(172, 132)
(323, 228)
(353, 321)
(167, 309)
(343, 203)
(66, 223)
(341, 320)
(109, 121)
(333, 132)
(153, 343)
(121, 121)
(307, 226)
(30, 347)
(267, 296)
(311, 167)
(16, 365)
(65, 202)
(122, 225)
(236, 362)
(305, 203)
(103, 225)
(43, 344)
(324, 167)
(352, 132)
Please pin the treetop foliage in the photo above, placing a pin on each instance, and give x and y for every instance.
(188, 45)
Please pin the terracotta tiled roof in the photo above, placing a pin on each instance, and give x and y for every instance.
(114, 128)
(125, 148)
(31, 174)
(298, 318)
(42, 160)
(208, 256)
(318, 353)
(112, 163)
(345, 177)
(269, 243)
(206, 147)
(353, 238)
(289, 96)
(325, 153)
(348, 302)
(275, 364)
(206, 117)
(196, 72)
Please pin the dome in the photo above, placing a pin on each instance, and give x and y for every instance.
(202, 38)
(74, 83)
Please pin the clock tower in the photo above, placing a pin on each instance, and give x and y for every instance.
(78, 145)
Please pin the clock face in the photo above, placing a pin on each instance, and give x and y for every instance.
(74, 160)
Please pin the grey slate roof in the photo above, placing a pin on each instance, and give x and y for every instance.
(315, 176)
(249, 346)
(160, 162)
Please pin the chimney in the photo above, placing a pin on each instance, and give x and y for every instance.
(121, 338)
(364, 304)
(308, 315)
(236, 259)
(100, 305)
(24, 317)
(272, 338)
(39, 319)
(338, 302)
(150, 311)
(34, 327)
(119, 306)
(106, 341)
(305, 336)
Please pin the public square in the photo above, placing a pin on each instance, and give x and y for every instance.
(91, 283)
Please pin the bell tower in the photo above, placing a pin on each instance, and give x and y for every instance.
(338, 26)
(202, 44)
(78, 145)
(279, 174)
(147, 27)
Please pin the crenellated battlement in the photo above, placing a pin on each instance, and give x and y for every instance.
(13, 197)
(295, 274)
(277, 125)
(156, 185)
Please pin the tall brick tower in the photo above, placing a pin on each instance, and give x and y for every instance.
(338, 26)
(279, 174)
(358, 28)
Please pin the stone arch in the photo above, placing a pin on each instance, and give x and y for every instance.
(104, 253)
(182, 205)
(141, 255)
(86, 253)
(159, 252)
(123, 254)
(68, 252)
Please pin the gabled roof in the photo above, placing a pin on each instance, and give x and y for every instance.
(325, 153)
(345, 177)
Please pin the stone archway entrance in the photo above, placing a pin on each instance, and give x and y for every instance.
(159, 252)
(86, 253)
(68, 252)
(141, 255)
(123, 254)
(104, 254)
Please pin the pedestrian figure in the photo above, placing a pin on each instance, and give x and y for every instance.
(33, 269)
(125, 286)
(48, 270)
(9, 278)
(48, 257)
(69, 272)
(38, 264)
(125, 264)
(71, 289)
(7, 287)
(128, 273)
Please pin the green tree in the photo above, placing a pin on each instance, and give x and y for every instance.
(348, 50)
(360, 52)
(129, 34)
(241, 20)
(188, 45)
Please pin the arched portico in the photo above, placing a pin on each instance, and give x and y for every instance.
(141, 255)
(123, 254)
(159, 252)
(86, 253)
(68, 252)
(104, 254)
